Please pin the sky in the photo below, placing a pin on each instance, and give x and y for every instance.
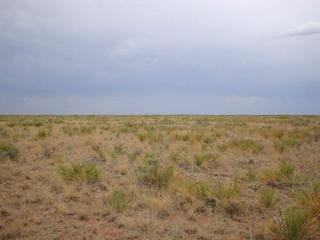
(159, 57)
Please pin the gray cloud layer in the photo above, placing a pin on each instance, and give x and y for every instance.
(307, 29)
(168, 56)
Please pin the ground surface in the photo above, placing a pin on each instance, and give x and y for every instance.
(152, 177)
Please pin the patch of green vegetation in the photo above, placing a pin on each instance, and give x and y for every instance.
(43, 133)
(201, 158)
(283, 144)
(284, 173)
(222, 147)
(3, 132)
(30, 123)
(80, 172)
(181, 136)
(118, 200)
(11, 124)
(226, 191)
(152, 175)
(155, 136)
(286, 170)
(251, 174)
(118, 149)
(201, 190)
(175, 156)
(248, 145)
(8, 150)
(132, 156)
(70, 130)
(100, 152)
(267, 197)
(87, 129)
(207, 140)
(141, 136)
(308, 197)
(292, 225)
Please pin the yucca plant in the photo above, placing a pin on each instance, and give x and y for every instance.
(292, 225)
(308, 198)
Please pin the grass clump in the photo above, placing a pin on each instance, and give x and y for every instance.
(201, 158)
(203, 192)
(251, 174)
(283, 144)
(87, 129)
(141, 136)
(175, 156)
(70, 130)
(200, 190)
(8, 150)
(43, 133)
(222, 147)
(3, 132)
(132, 156)
(308, 197)
(80, 172)
(283, 174)
(286, 169)
(267, 197)
(226, 191)
(152, 175)
(292, 225)
(118, 201)
(248, 145)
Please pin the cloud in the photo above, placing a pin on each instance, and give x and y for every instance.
(104, 56)
(305, 30)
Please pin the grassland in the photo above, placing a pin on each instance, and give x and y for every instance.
(160, 177)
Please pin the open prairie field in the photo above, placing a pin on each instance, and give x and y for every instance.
(160, 177)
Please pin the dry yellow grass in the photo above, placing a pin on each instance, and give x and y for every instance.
(154, 177)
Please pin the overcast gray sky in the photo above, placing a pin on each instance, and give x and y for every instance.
(160, 57)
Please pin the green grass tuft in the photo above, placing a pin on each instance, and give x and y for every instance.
(267, 197)
(80, 172)
(152, 175)
(118, 201)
